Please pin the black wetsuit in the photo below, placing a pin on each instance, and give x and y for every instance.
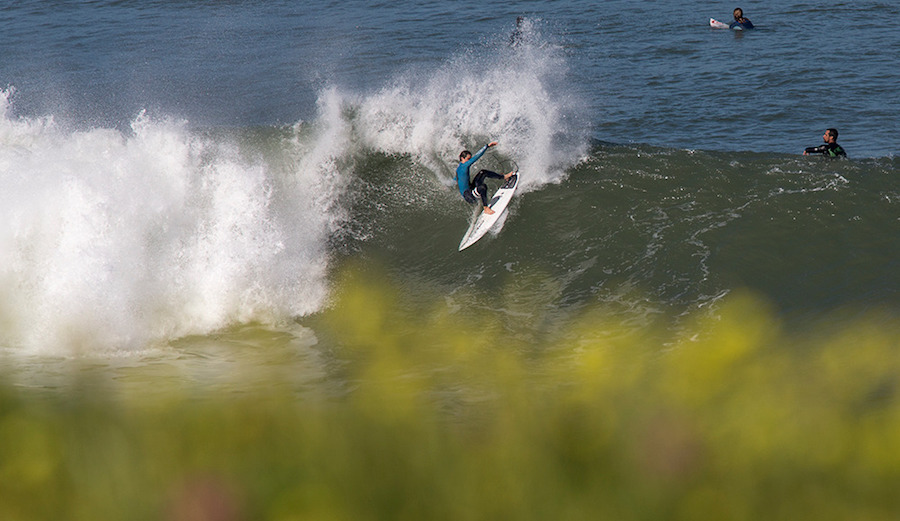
(480, 189)
(828, 149)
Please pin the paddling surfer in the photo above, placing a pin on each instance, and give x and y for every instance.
(475, 189)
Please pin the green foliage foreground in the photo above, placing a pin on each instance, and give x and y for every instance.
(730, 419)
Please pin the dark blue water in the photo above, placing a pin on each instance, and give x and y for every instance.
(648, 73)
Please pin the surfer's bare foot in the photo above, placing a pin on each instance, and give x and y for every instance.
(507, 176)
(488, 210)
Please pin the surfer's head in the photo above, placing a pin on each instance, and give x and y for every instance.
(464, 156)
(738, 13)
(831, 135)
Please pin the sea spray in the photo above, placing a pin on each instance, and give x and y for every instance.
(513, 94)
(117, 240)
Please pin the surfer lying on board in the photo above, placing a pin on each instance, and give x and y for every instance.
(739, 20)
(830, 148)
(475, 189)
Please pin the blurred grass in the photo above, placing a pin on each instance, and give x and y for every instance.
(446, 414)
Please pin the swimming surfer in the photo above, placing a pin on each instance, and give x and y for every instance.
(476, 188)
(830, 148)
(739, 20)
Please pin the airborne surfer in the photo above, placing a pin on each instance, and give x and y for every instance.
(476, 188)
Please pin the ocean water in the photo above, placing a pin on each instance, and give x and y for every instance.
(182, 180)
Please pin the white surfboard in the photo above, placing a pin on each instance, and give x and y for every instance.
(481, 224)
(715, 24)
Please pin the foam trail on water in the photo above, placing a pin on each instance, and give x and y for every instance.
(112, 241)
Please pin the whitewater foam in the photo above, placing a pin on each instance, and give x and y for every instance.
(113, 241)
(513, 94)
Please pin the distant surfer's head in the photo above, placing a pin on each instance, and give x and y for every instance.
(831, 134)
(464, 156)
(738, 13)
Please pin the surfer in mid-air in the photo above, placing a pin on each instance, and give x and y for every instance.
(475, 189)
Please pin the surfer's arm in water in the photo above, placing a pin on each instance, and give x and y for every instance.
(828, 149)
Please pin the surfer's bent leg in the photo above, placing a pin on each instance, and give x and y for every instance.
(479, 191)
(480, 187)
(481, 175)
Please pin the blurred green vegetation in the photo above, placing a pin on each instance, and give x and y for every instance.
(453, 416)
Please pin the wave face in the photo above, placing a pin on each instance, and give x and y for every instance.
(651, 232)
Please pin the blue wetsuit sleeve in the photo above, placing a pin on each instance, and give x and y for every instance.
(477, 155)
